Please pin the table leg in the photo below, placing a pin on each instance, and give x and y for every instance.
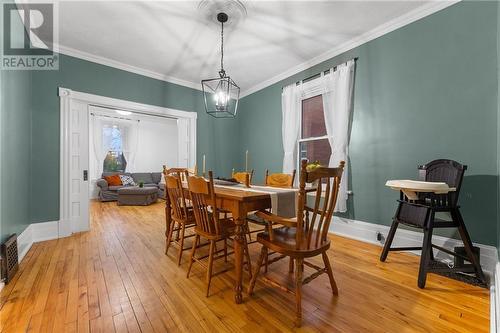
(168, 219)
(240, 219)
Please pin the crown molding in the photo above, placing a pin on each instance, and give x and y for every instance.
(120, 65)
(394, 24)
(58, 48)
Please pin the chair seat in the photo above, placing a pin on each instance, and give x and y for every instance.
(228, 228)
(256, 219)
(190, 217)
(284, 242)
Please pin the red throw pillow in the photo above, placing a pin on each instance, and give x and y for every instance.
(113, 180)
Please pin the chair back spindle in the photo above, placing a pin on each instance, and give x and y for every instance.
(177, 199)
(314, 229)
(204, 204)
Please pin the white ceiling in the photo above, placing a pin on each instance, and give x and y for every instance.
(174, 40)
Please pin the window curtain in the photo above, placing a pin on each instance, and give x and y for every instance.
(290, 109)
(337, 107)
(130, 141)
(100, 151)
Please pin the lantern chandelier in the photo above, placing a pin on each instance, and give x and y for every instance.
(221, 94)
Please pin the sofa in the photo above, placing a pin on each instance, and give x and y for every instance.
(149, 179)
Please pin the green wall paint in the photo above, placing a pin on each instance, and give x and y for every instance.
(84, 76)
(15, 148)
(425, 91)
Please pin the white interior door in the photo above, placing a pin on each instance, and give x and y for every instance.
(75, 140)
(183, 142)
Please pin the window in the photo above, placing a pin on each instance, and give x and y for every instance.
(313, 142)
(113, 144)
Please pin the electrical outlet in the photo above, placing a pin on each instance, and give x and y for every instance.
(380, 237)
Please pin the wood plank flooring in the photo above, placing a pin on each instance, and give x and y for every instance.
(116, 278)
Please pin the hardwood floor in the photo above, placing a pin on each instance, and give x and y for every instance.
(117, 278)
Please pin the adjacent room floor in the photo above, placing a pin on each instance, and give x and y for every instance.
(117, 278)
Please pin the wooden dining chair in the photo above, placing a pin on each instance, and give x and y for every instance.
(241, 176)
(182, 171)
(284, 180)
(210, 225)
(281, 180)
(182, 216)
(305, 236)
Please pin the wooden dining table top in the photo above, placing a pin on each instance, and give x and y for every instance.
(237, 193)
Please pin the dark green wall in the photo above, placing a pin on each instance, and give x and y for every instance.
(15, 149)
(422, 92)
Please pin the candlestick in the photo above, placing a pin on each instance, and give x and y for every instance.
(246, 161)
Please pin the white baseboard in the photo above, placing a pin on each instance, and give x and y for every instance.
(36, 232)
(495, 301)
(367, 232)
(24, 242)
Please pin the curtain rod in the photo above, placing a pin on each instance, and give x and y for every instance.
(309, 78)
(137, 112)
(117, 117)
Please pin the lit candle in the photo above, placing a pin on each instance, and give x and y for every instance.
(246, 161)
(204, 164)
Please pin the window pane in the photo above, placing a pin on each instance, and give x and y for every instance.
(114, 162)
(313, 119)
(316, 150)
(112, 143)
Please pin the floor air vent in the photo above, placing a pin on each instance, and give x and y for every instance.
(10, 258)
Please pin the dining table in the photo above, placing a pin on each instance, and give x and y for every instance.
(239, 202)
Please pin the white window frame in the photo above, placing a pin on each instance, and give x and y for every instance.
(310, 89)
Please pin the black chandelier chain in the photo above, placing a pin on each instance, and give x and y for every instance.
(222, 72)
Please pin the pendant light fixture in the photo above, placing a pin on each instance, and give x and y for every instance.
(221, 94)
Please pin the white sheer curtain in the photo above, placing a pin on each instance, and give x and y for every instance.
(290, 109)
(130, 142)
(337, 106)
(100, 150)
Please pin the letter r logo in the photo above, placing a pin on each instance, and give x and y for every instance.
(37, 24)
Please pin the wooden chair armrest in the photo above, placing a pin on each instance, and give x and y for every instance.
(269, 217)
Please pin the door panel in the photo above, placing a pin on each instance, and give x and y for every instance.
(79, 165)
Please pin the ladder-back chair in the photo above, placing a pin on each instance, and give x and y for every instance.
(421, 213)
(181, 212)
(305, 236)
(243, 177)
(280, 179)
(182, 171)
(210, 225)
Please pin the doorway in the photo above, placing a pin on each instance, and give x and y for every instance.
(76, 109)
